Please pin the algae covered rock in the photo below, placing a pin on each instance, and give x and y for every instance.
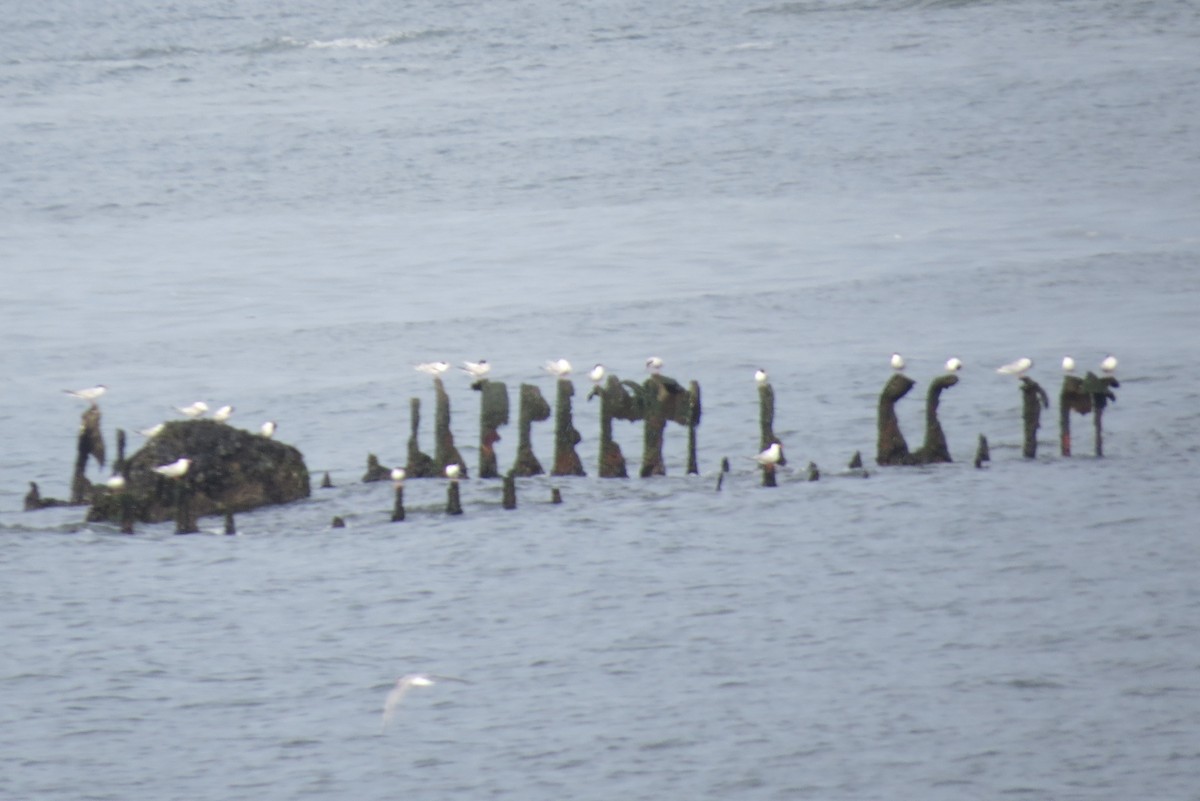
(232, 471)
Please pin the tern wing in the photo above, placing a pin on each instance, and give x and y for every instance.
(392, 701)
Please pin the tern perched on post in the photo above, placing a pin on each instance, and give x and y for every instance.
(559, 368)
(1068, 364)
(954, 364)
(654, 365)
(897, 362)
(434, 369)
(477, 370)
(597, 374)
(1109, 364)
(90, 394)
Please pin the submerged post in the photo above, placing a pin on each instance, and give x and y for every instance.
(892, 449)
(532, 407)
(453, 500)
(566, 460)
(934, 449)
(493, 413)
(982, 452)
(1034, 400)
(509, 500)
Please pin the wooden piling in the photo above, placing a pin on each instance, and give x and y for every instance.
(493, 413)
(1071, 398)
(566, 460)
(1100, 390)
(444, 451)
(892, 449)
(509, 499)
(619, 400)
(89, 444)
(419, 465)
(934, 449)
(664, 400)
(532, 407)
(453, 500)
(398, 502)
(766, 430)
(1034, 399)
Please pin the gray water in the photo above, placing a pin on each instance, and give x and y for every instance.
(285, 207)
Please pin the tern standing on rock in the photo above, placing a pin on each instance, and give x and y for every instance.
(176, 469)
(193, 411)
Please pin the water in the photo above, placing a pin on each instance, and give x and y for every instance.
(286, 207)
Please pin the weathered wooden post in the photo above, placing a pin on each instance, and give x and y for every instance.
(90, 443)
(766, 427)
(453, 499)
(664, 399)
(185, 512)
(1034, 399)
(419, 465)
(892, 449)
(1100, 390)
(509, 498)
(693, 422)
(724, 470)
(493, 413)
(119, 464)
(397, 495)
(444, 453)
(566, 460)
(934, 449)
(982, 453)
(230, 525)
(1071, 398)
(616, 402)
(532, 407)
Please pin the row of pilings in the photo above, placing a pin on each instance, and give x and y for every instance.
(657, 401)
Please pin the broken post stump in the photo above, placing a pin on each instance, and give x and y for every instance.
(509, 498)
(532, 407)
(663, 399)
(1071, 398)
(397, 501)
(766, 430)
(453, 499)
(693, 422)
(892, 449)
(444, 452)
(566, 437)
(419, 465)
(934, 449)
(1100, 390)
(375, 471)
(619, 400)
(89, 444)
(982, 453)
(1034, 399)
(493, 413)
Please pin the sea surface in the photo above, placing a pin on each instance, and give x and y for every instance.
(285, 207)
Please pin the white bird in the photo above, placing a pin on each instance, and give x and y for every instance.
(268, 429)
(1017, 368)
(223, 414)
(89, 394)
(897, 361)
(559, 368)
(771, 456)
(597, 374)
(193, 411)
(152, 431)
(452, 471)
(476, 370)
(760, 376)
(1109, 364)
(176, 469)
(403, 685)
(434, 369)
(398, 474)
(116, 482)
(654, 364)
(1068, 364)
(953, 364)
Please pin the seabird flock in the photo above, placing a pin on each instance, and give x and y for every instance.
(559, 368)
